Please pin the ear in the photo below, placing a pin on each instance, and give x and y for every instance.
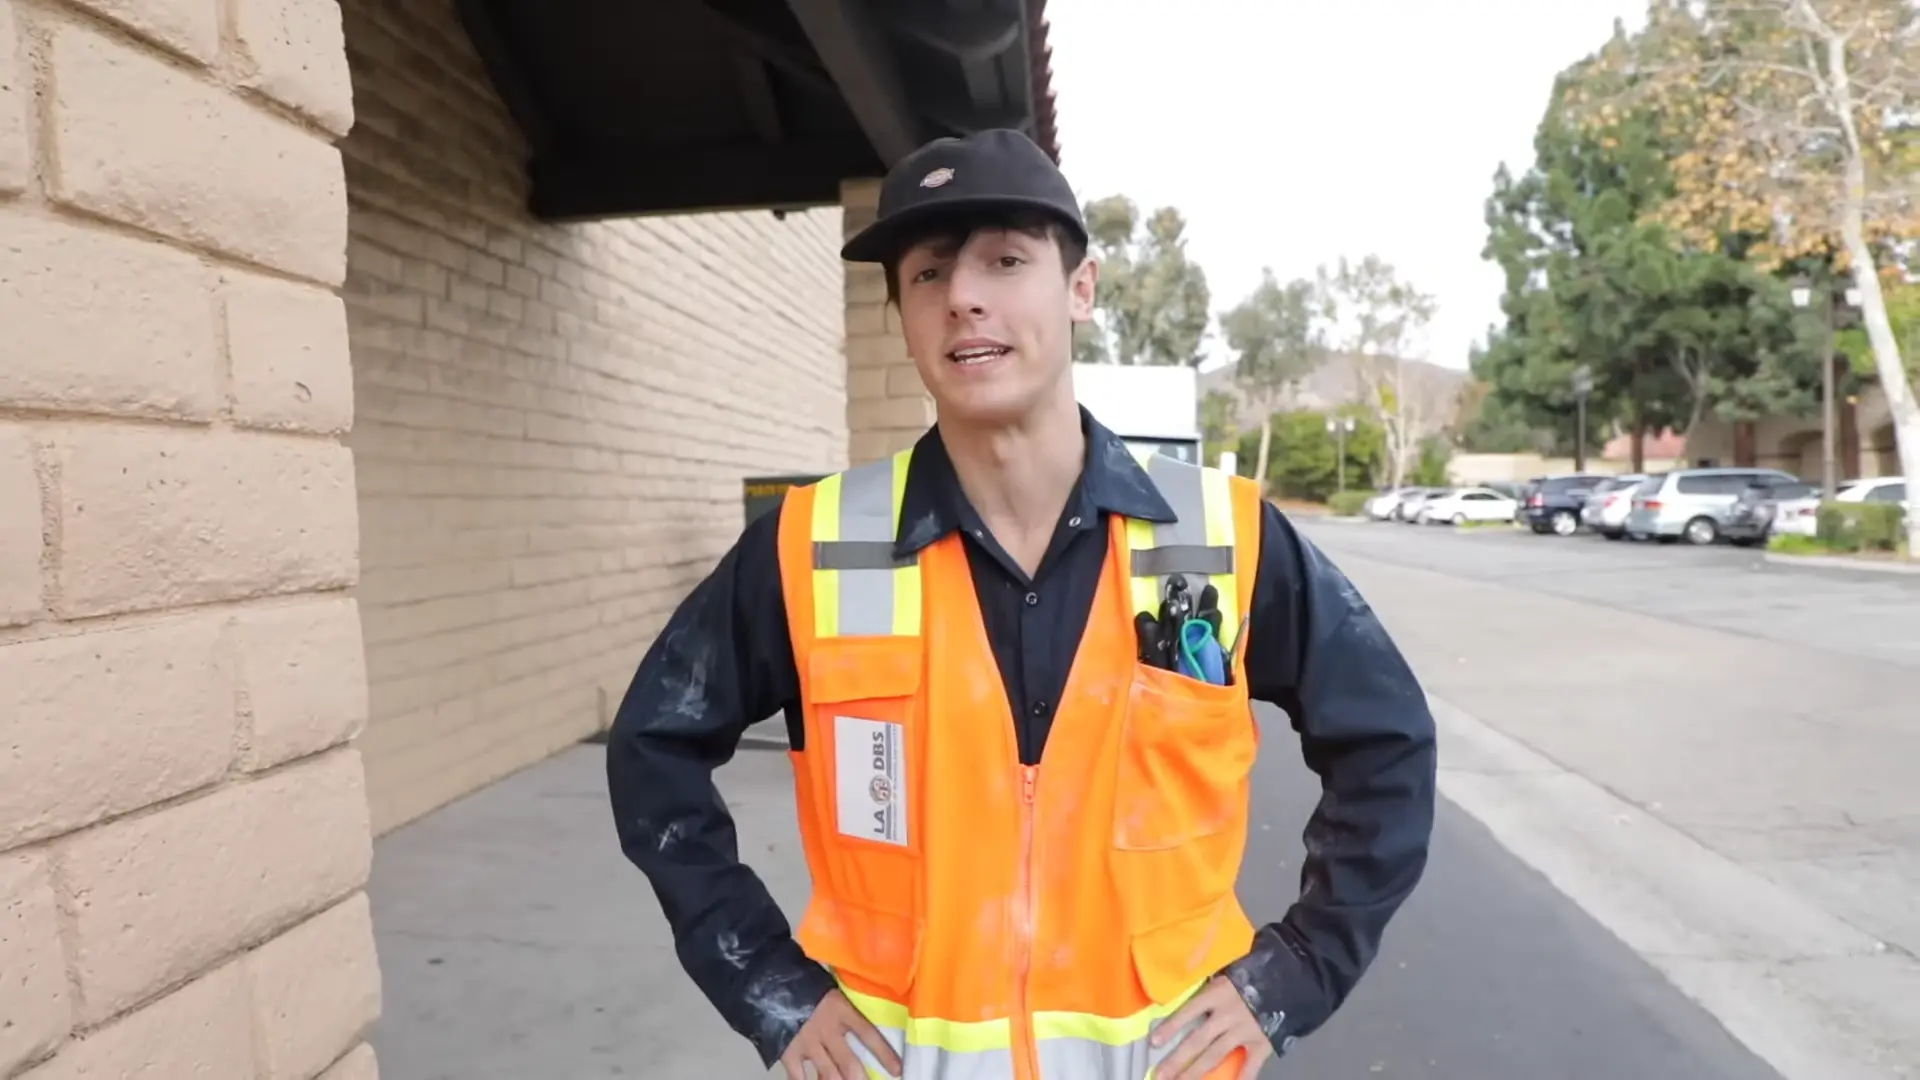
(1083, 287)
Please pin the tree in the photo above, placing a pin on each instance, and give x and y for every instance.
(1370, 315)
(1306, 462)
(1275, 339)
(1152, 305)
(1219, 426)
(1797, 123)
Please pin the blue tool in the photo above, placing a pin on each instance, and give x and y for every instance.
(1201, 656)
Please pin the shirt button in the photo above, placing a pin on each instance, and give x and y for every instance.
(1039, 708)
(1073, 523)
(1033, 598)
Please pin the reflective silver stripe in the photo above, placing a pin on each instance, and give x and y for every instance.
(935, 1063)
(1182, 559)
(855, 555)
(1180, 484)
(866, 519)
(1086, 1059)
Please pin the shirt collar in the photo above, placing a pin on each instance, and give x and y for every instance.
(1111, 482)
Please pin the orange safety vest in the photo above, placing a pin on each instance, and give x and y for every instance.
(997, 920)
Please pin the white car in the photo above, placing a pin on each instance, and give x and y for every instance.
(1801, 517)
(1462, 505)
(1381, 506)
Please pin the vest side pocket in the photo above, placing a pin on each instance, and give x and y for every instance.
(864, 789)
(1180, 797)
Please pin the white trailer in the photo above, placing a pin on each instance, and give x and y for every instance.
(1150, 406)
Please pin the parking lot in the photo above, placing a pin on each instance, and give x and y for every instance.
(1863, 613)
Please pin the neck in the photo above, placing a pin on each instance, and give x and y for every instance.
(1020, 474)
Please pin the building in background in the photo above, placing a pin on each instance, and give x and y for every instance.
(377, 377)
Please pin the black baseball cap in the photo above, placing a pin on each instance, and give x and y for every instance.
(996, 169)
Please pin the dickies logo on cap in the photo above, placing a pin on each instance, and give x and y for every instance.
(1006, 173)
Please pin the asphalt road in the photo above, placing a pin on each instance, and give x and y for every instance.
(515, 942)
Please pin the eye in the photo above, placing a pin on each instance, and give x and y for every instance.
(925, 275)
(1008, 262)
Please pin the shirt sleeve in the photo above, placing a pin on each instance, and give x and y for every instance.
(722, 662)
(1318, 651)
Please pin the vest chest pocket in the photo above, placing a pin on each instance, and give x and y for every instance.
(1187, 750)
(864, 782)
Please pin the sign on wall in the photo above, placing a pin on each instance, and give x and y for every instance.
(763, 493)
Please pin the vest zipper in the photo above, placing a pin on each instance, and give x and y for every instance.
(1026, 1050)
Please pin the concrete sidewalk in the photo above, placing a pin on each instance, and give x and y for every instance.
(1741, 810)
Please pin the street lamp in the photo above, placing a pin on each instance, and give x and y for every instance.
(1582, 386)
(1803, 298)
(1340, 428)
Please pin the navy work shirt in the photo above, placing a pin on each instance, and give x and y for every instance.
(724, 661)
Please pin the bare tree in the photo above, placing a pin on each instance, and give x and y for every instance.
(1276, 339)
(1377, 320)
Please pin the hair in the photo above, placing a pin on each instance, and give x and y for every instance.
(950, 233)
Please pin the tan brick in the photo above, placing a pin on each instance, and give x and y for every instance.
(156, 354)
(288, 344)
(876, 352)
(866, 284)
(35, 1014)
(16, 164)
(199, 1030)
(315, 990)
(20, 527)
(99, 724)
(303, 678)
(904, 382)
(157, 518)
(295, 52)
(160, 896)
(358, 1064)
(142, 142)
(893, 413)
(866, 320)
(189, 27)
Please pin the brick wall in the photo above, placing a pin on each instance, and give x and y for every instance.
(183, 824)
(552, 422)
(888, 407)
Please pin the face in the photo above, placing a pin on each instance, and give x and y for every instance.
(990, 324)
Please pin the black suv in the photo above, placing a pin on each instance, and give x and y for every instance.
(1553, 503)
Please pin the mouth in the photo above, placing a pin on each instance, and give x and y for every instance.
(972, 354)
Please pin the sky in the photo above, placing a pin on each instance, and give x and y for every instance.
(1293, 132)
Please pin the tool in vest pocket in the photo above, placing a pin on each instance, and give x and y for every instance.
(1201, 656)
(1146, 630)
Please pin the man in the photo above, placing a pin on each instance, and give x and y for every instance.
(1023, 820)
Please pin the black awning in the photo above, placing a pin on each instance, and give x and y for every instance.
(671, 106)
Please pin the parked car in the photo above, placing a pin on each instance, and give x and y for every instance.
(1383, 503)
(1801, 516)
(1408, 508)
(1605, 510)
(1750, 519)
(1692, 503)
(1553, 503)
(1462, 505)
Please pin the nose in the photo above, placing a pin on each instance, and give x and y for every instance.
(966, 293)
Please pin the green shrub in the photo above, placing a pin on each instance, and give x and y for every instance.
(1859, 526)
(1348, 503)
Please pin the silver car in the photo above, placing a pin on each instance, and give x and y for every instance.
(1691, 503)
(1607, 508)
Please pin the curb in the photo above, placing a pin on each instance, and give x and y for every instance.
(1842, 562)
(1808, 993)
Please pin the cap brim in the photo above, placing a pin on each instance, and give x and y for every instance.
(884, 239)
